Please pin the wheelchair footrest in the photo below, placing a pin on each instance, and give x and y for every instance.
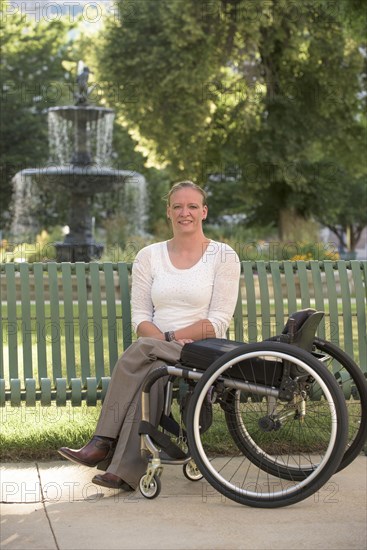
(162, 440)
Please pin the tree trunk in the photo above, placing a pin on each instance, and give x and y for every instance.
(293, 228)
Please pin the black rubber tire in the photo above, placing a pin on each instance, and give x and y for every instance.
(353, 385)
(242, 491)
(191, 475)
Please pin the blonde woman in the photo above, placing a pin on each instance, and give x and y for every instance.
(183, 289)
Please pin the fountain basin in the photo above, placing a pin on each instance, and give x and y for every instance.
(87, 112)
(83, 180)
(80, 135)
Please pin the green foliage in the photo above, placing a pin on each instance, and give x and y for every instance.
(257, 95)
(307, 251)
(42, 249)
(339, 203)
(261, 244)
(126, 251)
(158, 62)
(32, 80)
(261, 102)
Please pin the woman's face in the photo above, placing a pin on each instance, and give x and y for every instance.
(186, 210)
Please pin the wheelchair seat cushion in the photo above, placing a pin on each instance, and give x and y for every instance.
(202, 353)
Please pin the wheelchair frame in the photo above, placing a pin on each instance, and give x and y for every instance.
(296, 481)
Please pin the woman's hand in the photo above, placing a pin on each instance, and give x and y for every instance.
(184, 341)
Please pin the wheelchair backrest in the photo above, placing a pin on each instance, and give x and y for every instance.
(300, 329)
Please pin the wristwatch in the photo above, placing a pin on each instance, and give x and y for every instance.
(169, 336)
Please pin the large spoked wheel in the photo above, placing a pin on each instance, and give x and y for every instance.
(354, 386)
(293, 444)
(255, 443)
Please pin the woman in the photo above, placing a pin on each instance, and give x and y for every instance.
(184, 289)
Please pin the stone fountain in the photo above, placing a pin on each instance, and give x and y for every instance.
(80, 139)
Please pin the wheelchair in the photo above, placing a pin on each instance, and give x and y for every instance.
(266, 424)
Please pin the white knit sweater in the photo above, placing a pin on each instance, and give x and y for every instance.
(174, 298)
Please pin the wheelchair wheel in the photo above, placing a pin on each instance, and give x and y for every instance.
(191, 471)
(152, 489)
(293, 444)
(354, 386)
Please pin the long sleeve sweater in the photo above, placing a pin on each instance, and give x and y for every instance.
(174, 298)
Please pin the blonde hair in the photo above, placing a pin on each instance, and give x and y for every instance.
(183, 185)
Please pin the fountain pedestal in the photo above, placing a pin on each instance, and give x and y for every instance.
(79, 243)
(74, 252)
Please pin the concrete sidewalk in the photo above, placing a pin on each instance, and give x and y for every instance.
(54, 506)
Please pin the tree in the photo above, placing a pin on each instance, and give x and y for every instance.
(308, 72)
(266, 91)
(32, 79)
(340, 204)
(159, 61)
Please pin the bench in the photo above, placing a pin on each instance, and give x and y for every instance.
(63, 326)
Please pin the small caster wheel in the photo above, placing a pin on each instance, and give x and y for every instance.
(191, 471)
(153, 489)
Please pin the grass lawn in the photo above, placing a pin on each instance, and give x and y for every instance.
(35, 433)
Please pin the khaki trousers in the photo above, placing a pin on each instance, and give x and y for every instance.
(121, 410)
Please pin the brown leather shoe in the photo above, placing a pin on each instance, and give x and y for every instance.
(111, 481)
(98, 452)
